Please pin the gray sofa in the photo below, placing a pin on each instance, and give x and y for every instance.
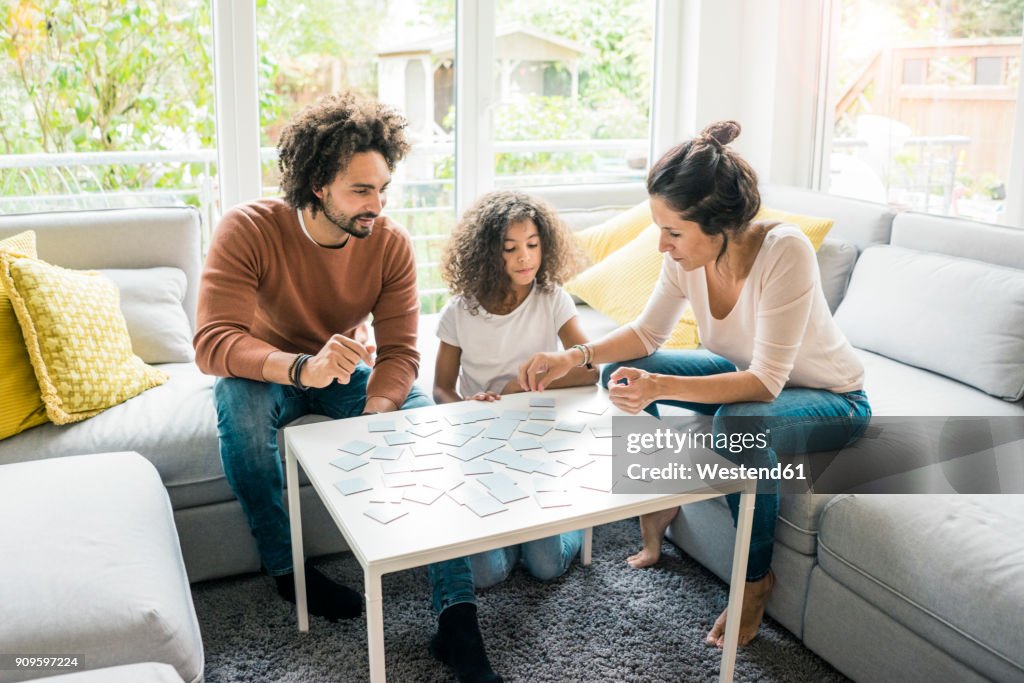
(883, 587)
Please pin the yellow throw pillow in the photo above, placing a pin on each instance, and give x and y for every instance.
(814, 227)
(77, 338)
(620, 285)
(21, 407)
(598, 241)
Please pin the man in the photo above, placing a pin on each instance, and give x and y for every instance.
(287, 285)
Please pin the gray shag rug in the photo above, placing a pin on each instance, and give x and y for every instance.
(607, 622)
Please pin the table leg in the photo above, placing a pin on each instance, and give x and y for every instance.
(298, 554)
(588, 546)
(375, 625)
(741, 551)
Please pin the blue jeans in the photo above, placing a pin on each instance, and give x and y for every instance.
(249, 413)
(795, 420)
(453, 581)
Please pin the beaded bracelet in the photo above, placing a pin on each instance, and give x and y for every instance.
(297, 379)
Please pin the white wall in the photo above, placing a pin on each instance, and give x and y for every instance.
(754, 61)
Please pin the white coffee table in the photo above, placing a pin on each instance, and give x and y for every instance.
(445, 529)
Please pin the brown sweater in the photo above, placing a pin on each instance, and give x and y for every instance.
(267, 287)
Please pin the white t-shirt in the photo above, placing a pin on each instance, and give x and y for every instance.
(780, 328)
(494, 346)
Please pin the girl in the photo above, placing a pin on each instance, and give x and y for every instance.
(505, 263)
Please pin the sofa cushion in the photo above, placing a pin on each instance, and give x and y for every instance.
(815, 227)
(93, 565)
(996, 244)
(898, 389)
(620, 285)
(836, 259)
(859, 222)
(967, 316)
(948, 568)
(147, 672)
(21, 406)
(76, 337)
(151, 301)
(173, 425)
(599, 241)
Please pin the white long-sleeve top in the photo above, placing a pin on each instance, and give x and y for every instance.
(780, 329)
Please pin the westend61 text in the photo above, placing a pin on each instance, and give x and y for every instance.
(669, 439)
(713, 472)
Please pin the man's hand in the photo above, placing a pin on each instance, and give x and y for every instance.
(636, 394)
(336, 361)
(544, 368)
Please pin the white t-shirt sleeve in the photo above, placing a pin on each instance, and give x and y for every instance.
(664, 308)
(563, 307)
(448, 327)
(787, 296)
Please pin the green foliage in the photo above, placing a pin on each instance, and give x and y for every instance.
(95, 76)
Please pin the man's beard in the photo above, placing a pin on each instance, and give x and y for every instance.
(347, 223)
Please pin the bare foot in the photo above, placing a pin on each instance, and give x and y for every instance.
(652, 531)
(755, 597)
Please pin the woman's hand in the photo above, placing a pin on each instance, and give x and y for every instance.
(485, 396)
(544, 368)
(636, 393)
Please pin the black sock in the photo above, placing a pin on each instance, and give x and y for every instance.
(326, 598)
(458, 644)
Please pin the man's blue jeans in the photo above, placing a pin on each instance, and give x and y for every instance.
(249, 413)
(794, 418)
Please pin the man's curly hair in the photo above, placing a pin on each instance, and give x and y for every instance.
(322, 138)
(473, 263)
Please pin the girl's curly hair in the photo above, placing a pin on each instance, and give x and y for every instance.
(322, 138)
(473, 263)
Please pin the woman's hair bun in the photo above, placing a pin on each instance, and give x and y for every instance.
(723, 132)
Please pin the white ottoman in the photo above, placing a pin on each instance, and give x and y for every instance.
(90, 566)
(150, 672)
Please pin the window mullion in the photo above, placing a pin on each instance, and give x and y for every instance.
(236, 101)
(474, 100)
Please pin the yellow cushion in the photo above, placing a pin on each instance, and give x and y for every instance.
(814, 227)
(620, 284)
(77, 338)
(598, 241)
(21, 407)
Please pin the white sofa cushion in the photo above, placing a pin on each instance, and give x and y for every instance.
(152, 303)
(92, 567)
(836, 259)
(975, 336)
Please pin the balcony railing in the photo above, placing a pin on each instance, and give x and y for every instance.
(74, 181)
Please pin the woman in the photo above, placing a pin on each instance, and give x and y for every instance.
(772, 351)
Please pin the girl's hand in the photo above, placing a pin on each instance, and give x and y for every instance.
(544, 368)
(485, 396)
(636, 394)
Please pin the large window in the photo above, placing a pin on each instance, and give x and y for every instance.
(110, 104)
(400, 53)
(573, 91)
(106, 104)
(924, 104)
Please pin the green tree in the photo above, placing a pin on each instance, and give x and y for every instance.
(102, 75)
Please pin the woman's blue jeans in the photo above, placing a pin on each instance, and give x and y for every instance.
(795, 420)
